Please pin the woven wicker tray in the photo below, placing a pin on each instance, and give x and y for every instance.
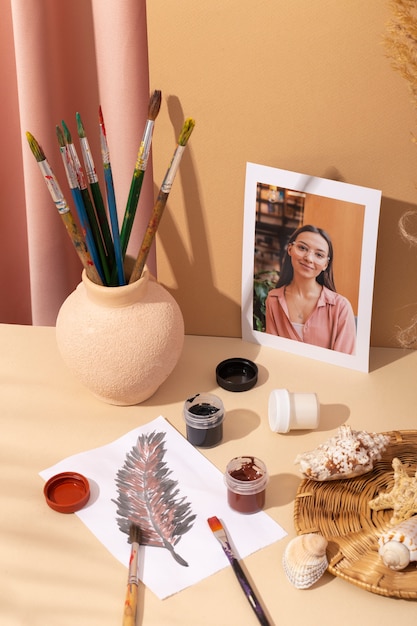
(339, 510)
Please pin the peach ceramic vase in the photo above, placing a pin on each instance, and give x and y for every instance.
(123, 342)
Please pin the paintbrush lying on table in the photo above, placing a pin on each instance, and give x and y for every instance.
(220, 534)
(131, 601)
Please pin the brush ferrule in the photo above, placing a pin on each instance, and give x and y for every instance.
(54, 188)
(77, 167)
(170, 175)
(69, 168)
(133, 566)
(145, 146)
(90, 169)
(105, 154)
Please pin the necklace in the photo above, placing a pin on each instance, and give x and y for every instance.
(299, 314)
(308, 304)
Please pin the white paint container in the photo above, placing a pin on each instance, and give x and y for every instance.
(293, 411)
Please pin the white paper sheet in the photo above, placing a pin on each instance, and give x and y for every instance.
(199, 482)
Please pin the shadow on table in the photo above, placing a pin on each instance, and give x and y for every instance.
(379, 358)
(238, 423)
(281, 489)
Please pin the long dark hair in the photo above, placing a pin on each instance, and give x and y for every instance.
(325, 277)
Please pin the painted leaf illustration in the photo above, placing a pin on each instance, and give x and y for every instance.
(149, 497)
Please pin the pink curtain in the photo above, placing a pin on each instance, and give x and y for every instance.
(59, 58)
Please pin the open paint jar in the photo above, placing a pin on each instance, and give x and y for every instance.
(246, 478)
(204, 415)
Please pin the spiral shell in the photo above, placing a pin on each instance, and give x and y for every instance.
(349, 453)
(398, 546)
(305, 560)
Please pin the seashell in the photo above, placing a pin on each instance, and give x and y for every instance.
(305, 560)
(349, 453)
(398, 546)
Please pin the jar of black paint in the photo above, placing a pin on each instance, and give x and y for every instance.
(204, 415)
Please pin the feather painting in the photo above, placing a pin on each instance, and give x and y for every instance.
(150, 498)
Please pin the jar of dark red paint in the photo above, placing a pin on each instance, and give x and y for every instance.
(204, 415)
(246, 478)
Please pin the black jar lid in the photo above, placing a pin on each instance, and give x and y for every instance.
(237, 374)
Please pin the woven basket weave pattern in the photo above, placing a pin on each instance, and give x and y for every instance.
(339, 510)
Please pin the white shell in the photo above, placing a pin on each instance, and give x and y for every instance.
(305, 560)
(349, 453)
(398, 546)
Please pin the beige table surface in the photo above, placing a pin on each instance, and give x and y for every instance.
(54, 572)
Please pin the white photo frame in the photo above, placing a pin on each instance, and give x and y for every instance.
(350, 209)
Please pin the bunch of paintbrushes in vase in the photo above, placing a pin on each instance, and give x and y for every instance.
(99, 243)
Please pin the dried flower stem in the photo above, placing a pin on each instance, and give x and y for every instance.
(401, 46)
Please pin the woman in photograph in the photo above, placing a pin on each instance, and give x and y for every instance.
(304, 306)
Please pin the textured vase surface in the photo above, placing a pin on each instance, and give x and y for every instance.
(123, 342)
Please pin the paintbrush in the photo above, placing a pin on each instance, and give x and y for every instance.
(161, 200)
(111, 200)
(92, 219)
(92, 178)
(220, 534)
(139, 171)
(131, 601)
(64, 210)
(78, 201)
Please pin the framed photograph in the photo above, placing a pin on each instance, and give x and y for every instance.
(309, 247)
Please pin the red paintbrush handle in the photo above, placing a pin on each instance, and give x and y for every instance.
(129, 614)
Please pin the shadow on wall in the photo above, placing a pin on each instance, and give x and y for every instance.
(395, 287)
(201, 299)
(395, 291)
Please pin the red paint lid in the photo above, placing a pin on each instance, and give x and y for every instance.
(67, 492)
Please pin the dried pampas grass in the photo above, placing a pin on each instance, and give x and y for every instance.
(401, 47)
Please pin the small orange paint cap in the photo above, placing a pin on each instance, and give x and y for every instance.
(67, 492)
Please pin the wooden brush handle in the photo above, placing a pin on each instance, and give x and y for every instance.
(129, 614)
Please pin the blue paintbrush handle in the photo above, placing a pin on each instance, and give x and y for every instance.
(111, 200)
(85, 225)
(249, 593)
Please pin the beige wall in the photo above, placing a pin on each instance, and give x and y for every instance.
(346, 235)
(302, 86)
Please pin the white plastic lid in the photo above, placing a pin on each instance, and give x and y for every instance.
(279, 412)
(288, 411)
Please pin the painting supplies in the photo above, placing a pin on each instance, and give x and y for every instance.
(131, 601)
(111, 200)
(219, 532)
(92, 224)
(104, 248)
(161, 201)
(246, 478)
(78, 201)
(64, 211)
(92, 178)
(139, 171)
(204, 414)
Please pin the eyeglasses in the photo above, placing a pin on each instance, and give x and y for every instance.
(304, 250)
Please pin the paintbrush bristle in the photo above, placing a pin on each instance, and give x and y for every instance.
(154, 105)
(134, 533)
(186, 131)
(60, 136)
(80, 127)
(67, 133)
(37, 151)
(215, 524)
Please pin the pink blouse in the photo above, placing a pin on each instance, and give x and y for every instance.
(331, 325)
